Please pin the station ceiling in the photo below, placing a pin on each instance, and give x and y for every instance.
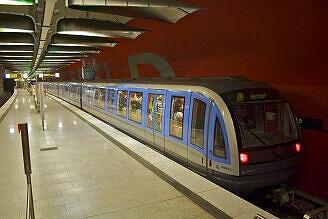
(46, 35)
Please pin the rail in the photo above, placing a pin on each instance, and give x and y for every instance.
(4, 97)
(319, 213)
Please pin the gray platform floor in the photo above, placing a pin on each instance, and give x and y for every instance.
(86, 177)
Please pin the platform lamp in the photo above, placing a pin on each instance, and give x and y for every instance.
(18, 2)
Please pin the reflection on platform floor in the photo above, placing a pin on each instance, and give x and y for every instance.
(87, 176)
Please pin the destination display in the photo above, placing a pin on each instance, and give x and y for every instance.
(252, 95)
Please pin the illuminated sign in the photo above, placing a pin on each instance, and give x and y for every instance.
(257, 96)
(252, 95)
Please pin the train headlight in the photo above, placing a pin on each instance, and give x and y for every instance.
(243, 157)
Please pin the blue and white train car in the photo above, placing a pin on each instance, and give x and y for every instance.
(239, 133)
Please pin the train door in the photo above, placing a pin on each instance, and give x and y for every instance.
(218, 144)
(154, 125)
(176, 125)
(197, 132)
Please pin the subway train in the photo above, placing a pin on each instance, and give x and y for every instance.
(239, 133)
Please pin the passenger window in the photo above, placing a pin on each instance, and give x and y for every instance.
(112, 101)
(102, 95)
(218, 144)
(108, 99)
(176, 118)
(159, 112)
(198, 123)
(122, 96)
(77, 92)
(135, 106)
(85, 94)
(95, 97)
(89, 95)
(150, 114)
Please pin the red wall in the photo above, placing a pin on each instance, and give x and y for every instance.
(280, 42)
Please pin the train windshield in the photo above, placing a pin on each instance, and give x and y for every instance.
(264, 124)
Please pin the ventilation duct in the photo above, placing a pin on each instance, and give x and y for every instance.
(161, 10)
(97, 28)
(16, 23)
(87, 41)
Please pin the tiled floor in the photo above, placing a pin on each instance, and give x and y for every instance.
(86, 177)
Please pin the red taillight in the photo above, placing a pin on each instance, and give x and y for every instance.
(297, 147)
(243, 157)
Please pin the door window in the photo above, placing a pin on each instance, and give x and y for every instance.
(85, 94)
(159, 112)
(102, 95)
(219, 148)
(95, 97)
(176, 118)
(135, 106)
(198, 123)
(122, 97)
(150, 110)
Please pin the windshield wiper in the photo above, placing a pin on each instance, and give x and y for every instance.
(257, 137)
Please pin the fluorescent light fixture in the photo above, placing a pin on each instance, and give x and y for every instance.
(41, 75)
(111, 33)
(25, 75)
(7, 75)
(13, 56)
(57, 75)
(13, 30)
(60, 60)
(82, 33)
(16, 2)
(15, 50)
(15, 44)
(68, 52)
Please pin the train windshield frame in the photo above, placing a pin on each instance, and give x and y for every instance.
(264, 118)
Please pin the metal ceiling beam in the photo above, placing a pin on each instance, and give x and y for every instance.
(16, 54)
(16, 23)
(17, 49)
(97, 28)
(73, 49)
(160, 10)
(16, 39)
(87, 41)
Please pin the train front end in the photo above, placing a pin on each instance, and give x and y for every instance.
(268, 138)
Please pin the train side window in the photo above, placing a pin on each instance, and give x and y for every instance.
(198, 123)
(112, 101)
(89, 95)
(85, 94)
(135, 106)
(95, 97)
(122, 97)
(219, 149)
(77, 92)
(159, 112)
(176, 118)
(102, 95)
(150, 114)
(110, 93)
